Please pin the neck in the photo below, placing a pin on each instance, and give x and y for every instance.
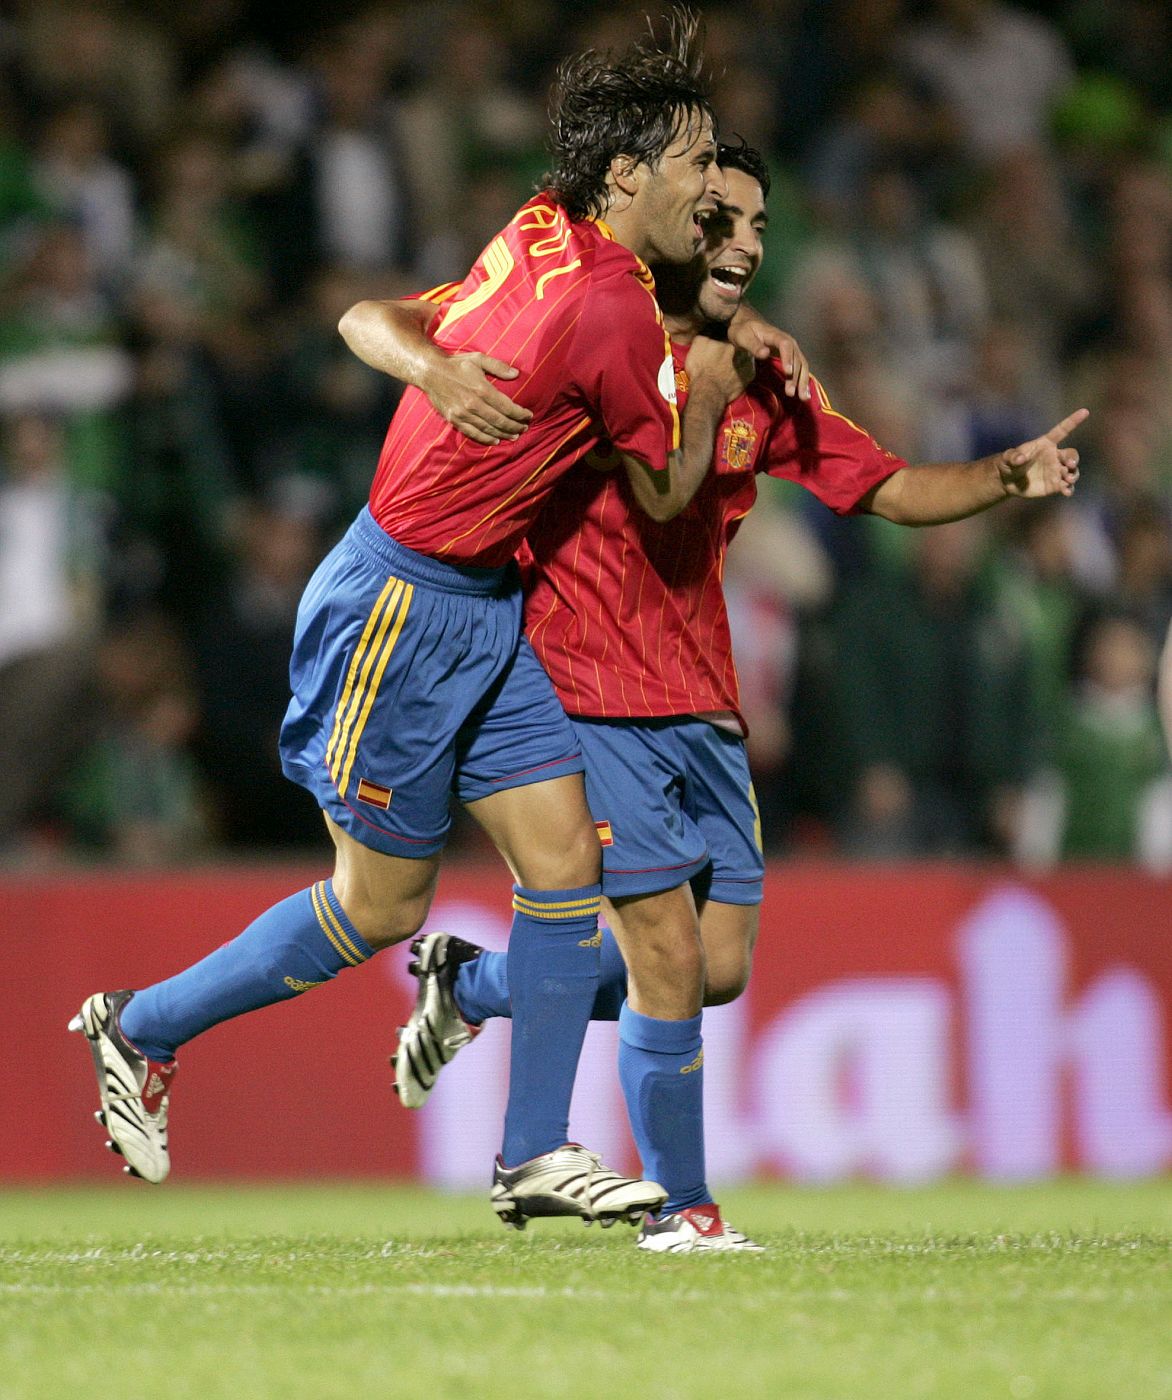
(628, 230)
(677, 290)
(683, 329)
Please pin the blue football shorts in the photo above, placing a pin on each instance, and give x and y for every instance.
(673, 802)
(411, 682)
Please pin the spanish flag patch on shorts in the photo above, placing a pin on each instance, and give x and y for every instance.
(373, 793)
(605, 835)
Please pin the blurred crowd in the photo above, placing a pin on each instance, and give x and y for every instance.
(971, 235)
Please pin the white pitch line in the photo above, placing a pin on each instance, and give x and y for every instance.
(428, 1290)
(537, 1293)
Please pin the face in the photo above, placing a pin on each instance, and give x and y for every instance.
(674, 196)
(732, 248)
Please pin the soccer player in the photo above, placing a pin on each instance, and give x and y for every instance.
(410, 678)
(629, 619)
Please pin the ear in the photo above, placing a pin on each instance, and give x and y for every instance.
(624, 174)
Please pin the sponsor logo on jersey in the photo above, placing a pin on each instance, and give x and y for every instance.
(373, 793)
(605, 835)
(737, 445)
(697, 1063)
(683, 383)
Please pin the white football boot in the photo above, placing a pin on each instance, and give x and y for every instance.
(435, 1030)
(135, 1090)
(571, 1181)
(692, 1230)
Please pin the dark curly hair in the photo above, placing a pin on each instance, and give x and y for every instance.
(737, 154)
(634, 103)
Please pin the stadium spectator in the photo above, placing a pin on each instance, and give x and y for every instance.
(241, 663)
(51, 568)
(997, 71)
(332, 409)
(61, 352)
(81, 181)
(464, 120)
(134, 794)
(1112, 762)
(345, 196)
(936, 707)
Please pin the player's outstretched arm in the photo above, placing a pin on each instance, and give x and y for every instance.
(750, 331)
(391, 336)
(943, 491)
(717, 374)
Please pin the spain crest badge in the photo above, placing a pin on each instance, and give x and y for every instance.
(738, 442)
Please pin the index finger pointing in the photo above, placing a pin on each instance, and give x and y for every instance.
(1068, 425)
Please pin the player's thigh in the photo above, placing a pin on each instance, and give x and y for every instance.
(729, 934)
(544, 832)
(635, 788)
(519, 773)
(385, 897)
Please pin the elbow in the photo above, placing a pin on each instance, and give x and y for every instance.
(348, 325)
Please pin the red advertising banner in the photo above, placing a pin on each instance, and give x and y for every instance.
(901, 1024)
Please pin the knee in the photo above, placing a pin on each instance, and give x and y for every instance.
(659, 956)
(666, 979)
(725, 984)
(563, 865)
(381, 923)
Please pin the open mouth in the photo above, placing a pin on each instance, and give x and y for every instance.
(729, 281)
(699, 219)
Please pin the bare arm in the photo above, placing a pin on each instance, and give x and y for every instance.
(941, 491)
(391, 336)
(718, 374)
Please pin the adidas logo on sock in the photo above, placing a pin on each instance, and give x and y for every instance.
(297, 985)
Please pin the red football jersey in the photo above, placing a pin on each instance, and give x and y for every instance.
(575, 313)
(628, 616)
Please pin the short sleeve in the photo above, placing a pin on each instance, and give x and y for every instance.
(825, 452)
(622, 364)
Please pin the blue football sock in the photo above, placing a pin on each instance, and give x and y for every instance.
(482, 985)
(553, 976)
(661, 1071)
(297, 944)
(482, 988)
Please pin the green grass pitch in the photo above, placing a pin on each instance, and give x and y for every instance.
(310, 1293)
